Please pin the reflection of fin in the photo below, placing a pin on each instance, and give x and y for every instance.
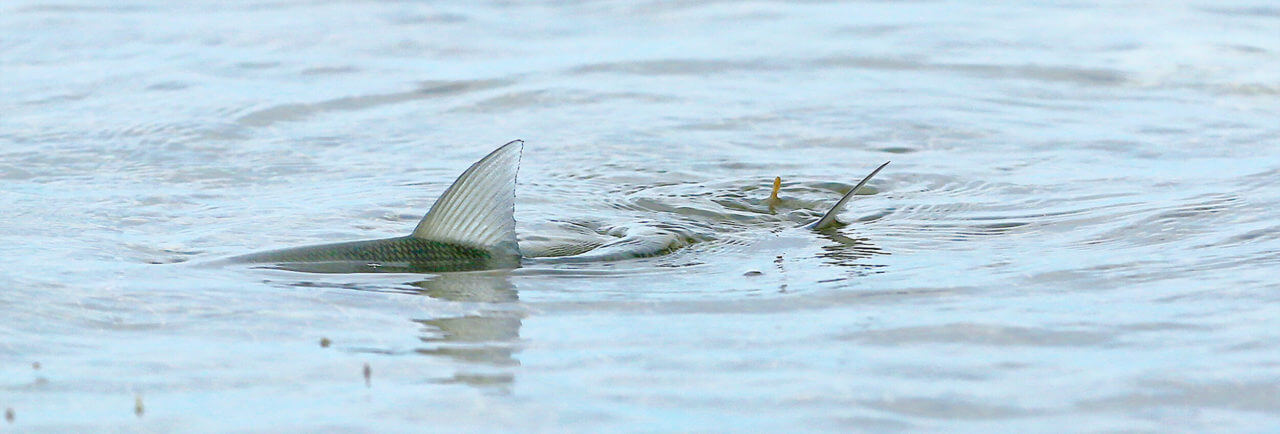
(478, 210)
(830, 217)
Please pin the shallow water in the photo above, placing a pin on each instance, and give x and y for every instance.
(1074, 233)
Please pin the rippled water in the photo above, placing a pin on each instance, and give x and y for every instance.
(1075, 233)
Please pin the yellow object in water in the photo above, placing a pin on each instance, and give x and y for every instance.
(773, 200)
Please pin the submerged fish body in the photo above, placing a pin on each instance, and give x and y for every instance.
(472, 227)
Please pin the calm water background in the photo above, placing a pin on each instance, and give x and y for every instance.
(1079, 230)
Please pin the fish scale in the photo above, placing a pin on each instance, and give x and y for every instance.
(414, 253)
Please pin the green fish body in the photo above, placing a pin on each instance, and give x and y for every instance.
(472, 227)
(400, 254)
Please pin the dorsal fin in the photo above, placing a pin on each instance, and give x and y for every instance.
(478, 210)
(830, 217)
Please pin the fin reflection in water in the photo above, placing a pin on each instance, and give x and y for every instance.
(483, 343)
(480, 345)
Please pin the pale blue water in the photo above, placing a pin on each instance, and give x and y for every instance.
(1078, 231)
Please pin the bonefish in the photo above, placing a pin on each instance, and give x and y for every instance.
(471, 227)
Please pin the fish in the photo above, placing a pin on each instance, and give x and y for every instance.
(470, 227)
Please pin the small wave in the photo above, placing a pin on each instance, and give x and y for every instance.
(1036, 72)
(300, 111)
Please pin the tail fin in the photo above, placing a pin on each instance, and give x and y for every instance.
(830, 218)
(478, 210)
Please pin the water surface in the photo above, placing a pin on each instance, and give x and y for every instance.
(1075, 232)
